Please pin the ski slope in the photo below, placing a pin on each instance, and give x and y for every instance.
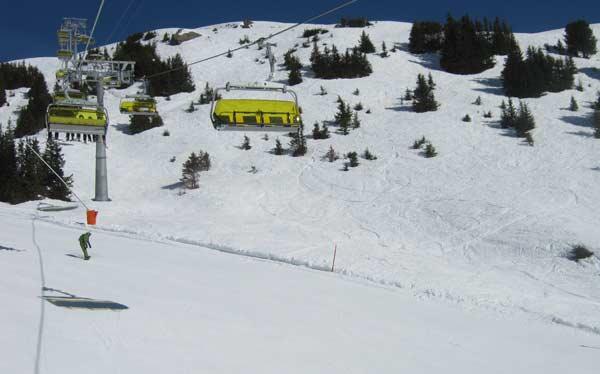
(483, 226)
(194, 310)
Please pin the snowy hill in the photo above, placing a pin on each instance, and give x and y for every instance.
(484, 225)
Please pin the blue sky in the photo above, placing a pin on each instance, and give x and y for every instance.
(28, 27)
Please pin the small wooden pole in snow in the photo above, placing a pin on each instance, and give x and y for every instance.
(334, 253)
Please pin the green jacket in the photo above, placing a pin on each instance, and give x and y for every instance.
(84, 239)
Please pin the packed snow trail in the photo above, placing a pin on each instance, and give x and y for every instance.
(193, 310)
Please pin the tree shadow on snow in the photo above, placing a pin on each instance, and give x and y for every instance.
(401, 107)
(581, 133)
(174, 186)
(577, 121)
(591, 72)
(428, 60)
(493, 86)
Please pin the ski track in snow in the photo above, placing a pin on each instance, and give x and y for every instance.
(484, 224)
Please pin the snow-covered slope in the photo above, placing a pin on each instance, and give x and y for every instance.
(196, 311)
(484, 224)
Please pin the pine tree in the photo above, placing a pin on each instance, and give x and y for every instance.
(278, 150)
(425, 37)
(174, 40)
(9, 187)
(195, 164)
(140, 124)
(384, 51)
(316, 133)
(465, 50)
(166, 38)
(355, 121)
(430, 81)
(430, 151)
(367, 155)
(419, 143)
(467, 118)
(246, 144)
(55, 189)
(298, 144)
(2, 95)
(508, 118)
(596, 123)
(294, 77)
(365, 45)
(191, 108)
(573, 107)
(331, 155)
(525, 121)
(423, 97)
(579, 38)
(207, 96)
(352, 159)
(343, 117)
(477, 101)
(325, 132)
(31, 170)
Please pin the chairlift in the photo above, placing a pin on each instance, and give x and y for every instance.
(243, 114)
(64, 54)
(77, 116)
(138, 105)
(61, 74)
(61, 96)
(141, 104)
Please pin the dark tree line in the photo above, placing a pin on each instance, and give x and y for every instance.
(426, 37)
(32, 116)
(467, 46)
(536, 73)
(354, 22)
(24, 177)
(465, 50)
(148, 63)
(580, 39)
(330, 64)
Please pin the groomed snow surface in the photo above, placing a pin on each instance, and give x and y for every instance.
(192, 310)
(452, 262)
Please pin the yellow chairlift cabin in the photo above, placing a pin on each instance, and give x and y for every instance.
(61, 96)
(140, 104)
(61, 74)
(244, 114)
(64, 54)
(77, 116)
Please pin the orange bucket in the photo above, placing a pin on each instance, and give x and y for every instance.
(91, 217)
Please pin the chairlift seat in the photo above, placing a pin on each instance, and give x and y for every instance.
(73, 117)
(256, 114)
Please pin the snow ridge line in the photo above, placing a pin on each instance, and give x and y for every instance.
(422, 293)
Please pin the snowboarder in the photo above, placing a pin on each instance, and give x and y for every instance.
(84, 242)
